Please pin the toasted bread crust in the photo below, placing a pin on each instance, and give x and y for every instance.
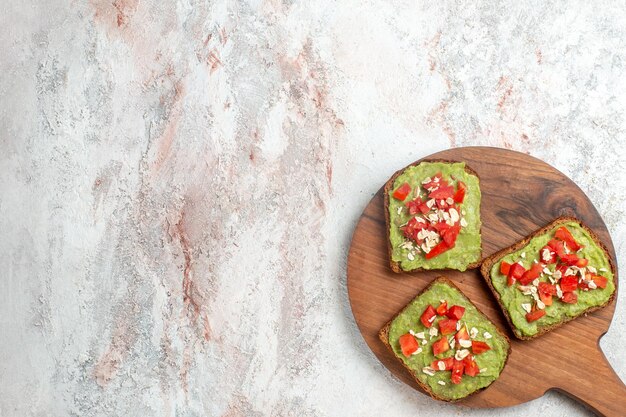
(383, 335)
(488, 263)
(395, 266)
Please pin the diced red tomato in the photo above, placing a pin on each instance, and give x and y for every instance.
(535, 315)
(551, 259)
(447, 326)
(479, 347)
(563, 234)
(599, 280)
(440, 227)
(569, 297)
(583, 285)
(459, 195)
(582, 262)
(515, 273)
(442, 204)
(516, 270)
(402, 191)
(462, 334)
(569, 283)
(428, 316)
(546, 291)
(457, 372)
(505, 267)
(442, 309)
(440, 248)
(442, 193)
(440, 346)
(546, 299)
(449, 236)
(414, 205)
(545, 288)
(562, 268)
(447, 363)
(413, 227)
(569, 258)
(408, 344)
(532, 274)
(470, 366)
(557, 246)
(456, 312)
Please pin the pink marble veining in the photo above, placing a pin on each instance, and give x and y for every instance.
(180, 181)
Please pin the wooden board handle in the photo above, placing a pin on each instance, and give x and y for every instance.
(597, 385)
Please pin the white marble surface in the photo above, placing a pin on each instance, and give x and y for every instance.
(179, 182)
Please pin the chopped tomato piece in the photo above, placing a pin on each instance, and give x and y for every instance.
(569, 297)
(471, 367)
(462, 334)
(438, 250)
(441, 227)
(517, 270)
(557, 246)
(447, 326)
(456, 312)
(547, 259)
(408, 344)
(414, 206)
(535, 315)
(442, 193)
(447, 364)
(428, 316)
(479, 347)
(563, 234)
(545, 288)
(457, 372)
(569, 283)
(582, 262)
(546, 291)
(569, 258)
(442, 309)
(402, 191)
(449, 236)
(532, 274)
(440, 346)
(599, 280)
(505, 267)
(546, 299)
(460, 192)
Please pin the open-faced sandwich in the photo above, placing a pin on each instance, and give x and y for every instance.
(552, 276)
(449, 347)
(432, 210)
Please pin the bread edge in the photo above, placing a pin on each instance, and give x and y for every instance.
(383, 335)
(492, 259)
(395, 266)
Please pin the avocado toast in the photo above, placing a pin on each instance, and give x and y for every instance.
(551, 277)
(432, 213)
(451, 349)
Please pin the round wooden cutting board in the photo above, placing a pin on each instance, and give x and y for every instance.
(519, 195)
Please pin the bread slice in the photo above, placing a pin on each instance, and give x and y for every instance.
(395, 266)
(496, 257)
(383, 335)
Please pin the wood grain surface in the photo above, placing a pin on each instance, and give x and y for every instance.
(519, 194)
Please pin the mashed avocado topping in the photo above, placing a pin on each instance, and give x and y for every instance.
(476, 351)
(434, 212)
(572, 274)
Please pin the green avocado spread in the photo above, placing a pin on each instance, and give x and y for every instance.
(514, 300)
(467, 249)
(490, 362)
